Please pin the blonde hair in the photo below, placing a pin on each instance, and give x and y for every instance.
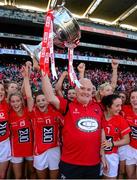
(16, 94)
(101, 87)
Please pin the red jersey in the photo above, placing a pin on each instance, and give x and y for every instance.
(101, 106)
(81, 133)
(4, 122)
(21, 134)
(115, 128)
(46, 129)
(131, 118)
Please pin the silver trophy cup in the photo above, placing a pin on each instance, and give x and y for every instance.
(66, 31)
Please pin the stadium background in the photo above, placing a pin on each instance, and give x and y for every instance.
(108, 27)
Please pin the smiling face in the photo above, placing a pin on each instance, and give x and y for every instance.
(123, 97)
(41, 103)
(115, 107)
(2, 92)
(133, 100)
(84, 93)
(71, 94)
(16, 103)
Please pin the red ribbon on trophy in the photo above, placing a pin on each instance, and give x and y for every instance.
(52, 58)
(47, 50)
(72, 75)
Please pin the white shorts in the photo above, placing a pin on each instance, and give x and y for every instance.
(20, 159)
(49, 159)
(122, 152)
(131, 156)
(113, 161)
(5, 150)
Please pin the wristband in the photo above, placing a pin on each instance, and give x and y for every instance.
(112, 144)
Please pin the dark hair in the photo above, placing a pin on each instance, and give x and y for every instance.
(134, 90)
(70, 88)
(122, 92)
(126, 95)
(107, 101)
(40, 92)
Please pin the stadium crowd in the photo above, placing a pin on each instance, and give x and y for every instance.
(51, 131)
(126, 79)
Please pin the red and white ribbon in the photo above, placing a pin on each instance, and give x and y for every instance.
(47, 50)
(72, 75)
(52, 58)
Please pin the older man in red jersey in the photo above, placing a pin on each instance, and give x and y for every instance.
(81, 133)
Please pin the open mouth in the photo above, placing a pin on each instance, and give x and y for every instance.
(71, 98)
(42, 107)
(16, 108)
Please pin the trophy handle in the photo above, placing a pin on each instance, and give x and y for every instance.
(33, 50)
(63, 3)
(51, 4)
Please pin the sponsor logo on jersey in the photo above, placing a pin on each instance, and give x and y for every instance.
(116, 129)
(22, 123)
(24, 135)
(134, 132)
(2, 116)
(75, 111)
(96, 111)
(87, 124)
(48, 134)
(3, 126)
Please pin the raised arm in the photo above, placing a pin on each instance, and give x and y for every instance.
(22, 89)
(81, 70)
(58, 86)
(114, 78)
(27, 88)
(48, 91)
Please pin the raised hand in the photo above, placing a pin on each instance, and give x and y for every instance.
(115, 63)
(25, 70)
(81, 68)
(65, 74)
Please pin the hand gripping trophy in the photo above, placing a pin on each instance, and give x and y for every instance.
(61, 29)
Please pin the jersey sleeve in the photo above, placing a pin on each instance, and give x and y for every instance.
(125, 129)
(60, 119)
(125, 109)
(31, 114)
(63, 105)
